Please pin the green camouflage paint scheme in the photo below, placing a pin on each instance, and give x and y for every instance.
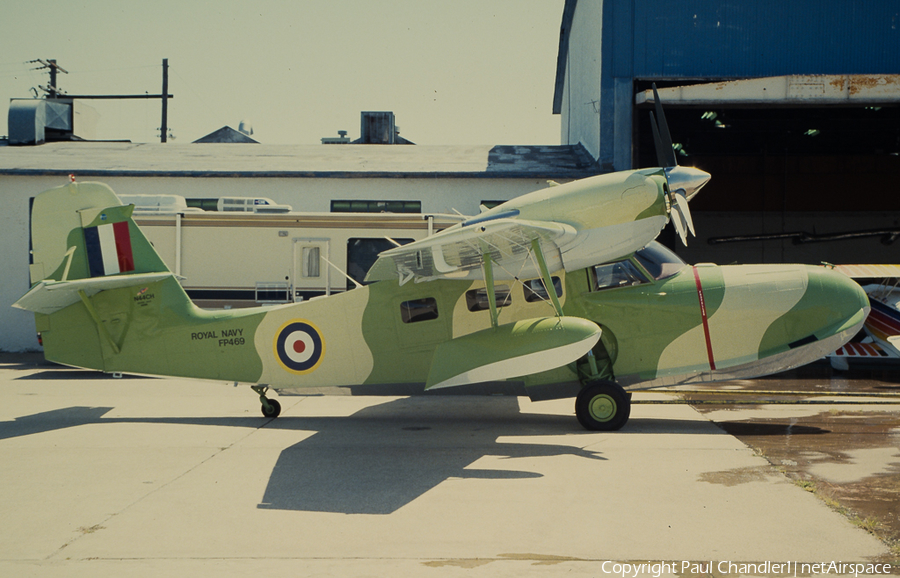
(653, 333)
(402, 352)
(158, 332)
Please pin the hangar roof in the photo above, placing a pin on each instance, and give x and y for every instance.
(299, 161)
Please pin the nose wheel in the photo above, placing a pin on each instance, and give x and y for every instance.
(270, 407)
(602, 405)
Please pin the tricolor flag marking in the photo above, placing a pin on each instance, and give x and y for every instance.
(109, 249)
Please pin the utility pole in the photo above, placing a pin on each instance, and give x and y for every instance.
(165, 101)
(52, 90)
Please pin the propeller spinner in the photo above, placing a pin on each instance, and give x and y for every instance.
(682, 182)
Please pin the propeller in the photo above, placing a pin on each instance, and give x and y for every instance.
(682, 182)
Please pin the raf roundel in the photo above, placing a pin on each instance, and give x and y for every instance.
(299, 346)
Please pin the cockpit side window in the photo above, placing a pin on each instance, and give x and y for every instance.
(618, 274)
(659, 261)
(535, 290)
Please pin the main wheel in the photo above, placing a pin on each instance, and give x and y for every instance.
(603, 406)
(273, 409)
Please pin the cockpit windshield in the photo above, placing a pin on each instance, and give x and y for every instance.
(659, 260)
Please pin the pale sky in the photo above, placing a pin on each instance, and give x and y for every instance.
(453, 72)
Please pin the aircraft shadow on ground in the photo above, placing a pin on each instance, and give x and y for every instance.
(385, 456)
(75, 374)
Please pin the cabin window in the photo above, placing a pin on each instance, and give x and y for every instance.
(477, 299)
(361, 206)
(418, 310)
(362, 253)
(535, 290)
(620, 274)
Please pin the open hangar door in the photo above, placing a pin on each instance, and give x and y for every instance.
(804, 169)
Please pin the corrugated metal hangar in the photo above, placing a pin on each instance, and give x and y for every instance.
(806, 159)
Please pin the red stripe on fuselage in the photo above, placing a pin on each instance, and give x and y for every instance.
(709, 351)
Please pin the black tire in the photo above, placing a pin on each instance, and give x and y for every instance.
(272, 410)
(603, 406)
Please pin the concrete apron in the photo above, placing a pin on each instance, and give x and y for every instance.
(146, 476)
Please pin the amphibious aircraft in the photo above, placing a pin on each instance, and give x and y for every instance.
(562, 288)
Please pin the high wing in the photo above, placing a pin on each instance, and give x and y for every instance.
(572, 226)
(459, 252)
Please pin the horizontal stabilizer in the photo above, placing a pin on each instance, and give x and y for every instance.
(511, 350)
(50, 296)
(455, 252)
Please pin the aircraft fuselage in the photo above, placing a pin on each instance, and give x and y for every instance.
(699, 324)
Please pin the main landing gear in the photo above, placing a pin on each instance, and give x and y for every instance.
(602, 405)
(270, 407)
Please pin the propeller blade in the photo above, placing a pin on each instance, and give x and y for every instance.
(657, 143)
(663, 128)
(681, 182)
(678, 221)
(684, 210)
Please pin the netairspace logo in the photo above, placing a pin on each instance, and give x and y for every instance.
(791, 568)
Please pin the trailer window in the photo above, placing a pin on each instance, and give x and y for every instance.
(311, 262)
(477, 299)
(361, 206)
(418, 310)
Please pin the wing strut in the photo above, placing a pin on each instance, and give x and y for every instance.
(545, 276)
(488, 266)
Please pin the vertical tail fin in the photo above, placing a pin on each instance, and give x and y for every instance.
(82, 230)
(92, 267)
(103, 298)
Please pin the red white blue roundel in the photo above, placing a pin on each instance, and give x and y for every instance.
(299, 346)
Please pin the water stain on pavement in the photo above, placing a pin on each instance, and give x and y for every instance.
(738, 476)
(847, 455)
